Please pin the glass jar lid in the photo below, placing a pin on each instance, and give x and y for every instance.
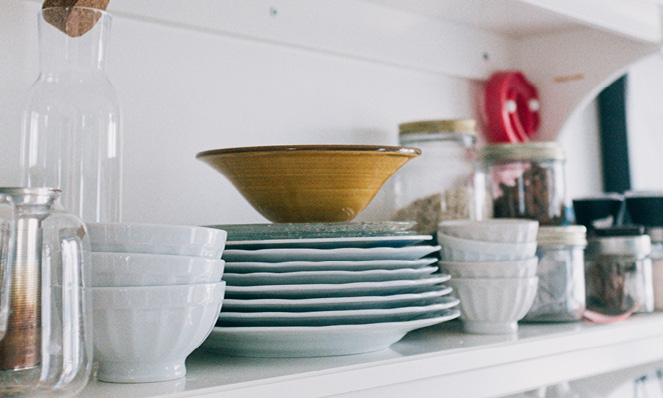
(636, 246)
(524, 150)
(655, 234)
(571, 235)
(430, 130)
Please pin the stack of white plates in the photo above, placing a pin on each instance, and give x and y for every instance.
(303, 297)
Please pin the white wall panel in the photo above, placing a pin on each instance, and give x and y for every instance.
(645, 123)
(183, 91)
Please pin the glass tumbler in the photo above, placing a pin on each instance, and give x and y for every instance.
(47, 346)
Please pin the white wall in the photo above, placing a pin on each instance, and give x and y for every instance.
(186, 90)
(580, 139)
(645, 123)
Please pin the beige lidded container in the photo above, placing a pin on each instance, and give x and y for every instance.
(441, 184)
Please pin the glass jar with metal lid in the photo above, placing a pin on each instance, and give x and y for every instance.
(618, 271)
(439, 184)
(527, 180)
(561, 271)
(656, 236)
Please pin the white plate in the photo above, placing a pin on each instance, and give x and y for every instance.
(337, 303)
(336, 289)
(316, 341)
(329, 318)
(329, 243)
(341, 254)
(296, 266)
(312, 277)
(316, 230)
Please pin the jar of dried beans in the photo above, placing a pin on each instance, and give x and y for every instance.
(618, 271)
(440, 184)
(527, 181)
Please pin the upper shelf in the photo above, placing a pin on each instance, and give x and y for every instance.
(465, 38)
(524, 18)
(426, 363)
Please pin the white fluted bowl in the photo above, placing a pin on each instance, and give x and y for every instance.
(494, 306)
(504, 230)
(457, 249)
(490, 269)
(144, 334)
(181, 240)
(142, 269)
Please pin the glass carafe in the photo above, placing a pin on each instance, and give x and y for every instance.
(47, 346)
(71, 122)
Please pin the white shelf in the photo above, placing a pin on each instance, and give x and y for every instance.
(425, 363)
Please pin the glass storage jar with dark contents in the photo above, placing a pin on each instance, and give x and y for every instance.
(439, 184)
(527, 181)
(618, 271)
(561, 271)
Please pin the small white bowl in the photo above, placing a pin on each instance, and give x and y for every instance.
(457, 249)
(491, 269)
(494, 306)
(144, 334)
(157, 239)
(142, 269)
(504, 230)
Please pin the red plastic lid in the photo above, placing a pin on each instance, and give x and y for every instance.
(511, 106)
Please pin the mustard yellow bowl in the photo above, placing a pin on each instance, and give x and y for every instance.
(309, 183)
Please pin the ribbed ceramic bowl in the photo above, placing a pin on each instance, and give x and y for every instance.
(144, 334)
(502, 230)
(490, 269)
(494, 306)
(309, 183)
(142, 269)
(457, 249)
(179, 240)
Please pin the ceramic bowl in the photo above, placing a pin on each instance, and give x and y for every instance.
(309, 183)
(491, 269)
(503, 230)
(144, 334)
(157, 239)
(494, 306)
(142, 269)
(457, 249)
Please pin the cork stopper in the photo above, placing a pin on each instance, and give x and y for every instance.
(74, 17)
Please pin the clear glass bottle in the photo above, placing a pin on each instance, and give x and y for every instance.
(561, 271)
(527, 180)
(442, 183)
(71, 123)
(618, 271)
(47, 347)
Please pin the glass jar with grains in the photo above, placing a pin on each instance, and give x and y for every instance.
(527, 181)
(439, 184)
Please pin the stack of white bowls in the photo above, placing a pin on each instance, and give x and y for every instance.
(492, 264)
(157, 293)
